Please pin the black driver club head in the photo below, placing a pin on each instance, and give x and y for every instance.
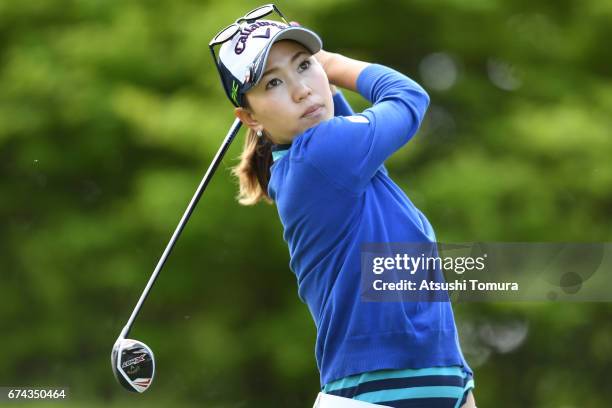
(133, 364)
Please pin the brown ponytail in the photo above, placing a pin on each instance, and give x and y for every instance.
(253, 171)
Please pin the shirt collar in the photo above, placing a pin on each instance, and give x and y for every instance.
(279, 150)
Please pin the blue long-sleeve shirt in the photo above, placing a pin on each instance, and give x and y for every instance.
(333, 193)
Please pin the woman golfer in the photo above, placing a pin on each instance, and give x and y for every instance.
(322, 166)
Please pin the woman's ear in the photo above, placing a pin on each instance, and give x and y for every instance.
(246, 117)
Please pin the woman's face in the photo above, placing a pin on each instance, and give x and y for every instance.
(292, 95)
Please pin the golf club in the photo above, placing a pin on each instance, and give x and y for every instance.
(132, 361)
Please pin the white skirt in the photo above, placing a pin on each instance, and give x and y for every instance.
(333, 401)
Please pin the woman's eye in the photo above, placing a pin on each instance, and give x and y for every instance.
(272, 83)
(304, 65)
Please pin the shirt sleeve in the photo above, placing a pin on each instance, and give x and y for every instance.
(349, 150)
(341, 105)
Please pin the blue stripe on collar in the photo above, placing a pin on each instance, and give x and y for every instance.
(278, 154)
(279, 150)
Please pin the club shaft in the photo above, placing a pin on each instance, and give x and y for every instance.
(177, 232)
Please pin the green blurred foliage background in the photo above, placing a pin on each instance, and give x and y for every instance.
(110, 112)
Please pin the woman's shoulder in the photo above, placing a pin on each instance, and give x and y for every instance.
(332, 136)
(336, 126)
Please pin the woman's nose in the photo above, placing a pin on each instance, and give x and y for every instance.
(301, 91)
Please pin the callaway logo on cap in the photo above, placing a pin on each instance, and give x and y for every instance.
(243, 58)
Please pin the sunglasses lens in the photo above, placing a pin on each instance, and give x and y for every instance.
(259, 12)
(226, 34)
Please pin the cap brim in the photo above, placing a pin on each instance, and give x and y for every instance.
(304, 36)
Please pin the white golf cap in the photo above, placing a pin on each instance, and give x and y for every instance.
(243, 58)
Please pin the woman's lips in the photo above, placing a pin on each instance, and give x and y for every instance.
(313, 111)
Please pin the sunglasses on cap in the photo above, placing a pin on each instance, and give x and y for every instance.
(229, 32)
(245, 46)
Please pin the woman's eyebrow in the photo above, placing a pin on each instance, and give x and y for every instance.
(296, 56)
